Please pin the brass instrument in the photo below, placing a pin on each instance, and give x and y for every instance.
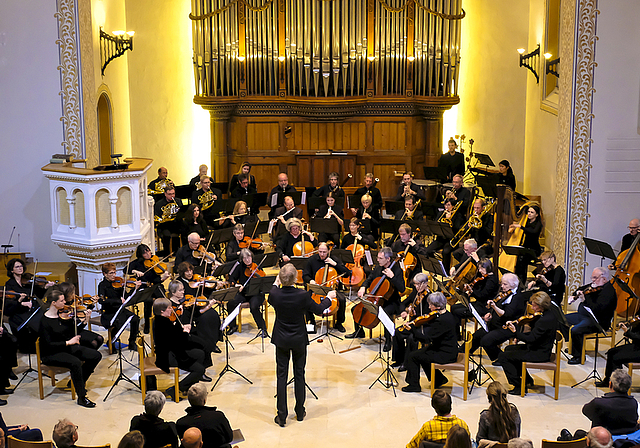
(160, 187)
(408, 214)
(169, 213)
(206, 200)
(474, 221)
(443, 219)
(328, 215)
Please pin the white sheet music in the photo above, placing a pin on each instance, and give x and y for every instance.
(231, 317)
(303, 198)
(386, 321)
(274, 199)
(480, 320)
(271, 224)
(367, 255)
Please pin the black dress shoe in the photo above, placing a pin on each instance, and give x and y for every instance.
(411, 389)
(205, 378)
(279, 422)
(574, 360)
(86, 403)
(359, 333)
(301, 417)
(496, 363)
(340, 328)
(565, 436)
(2, 402)
(216, 349)
(440, 381)
(5, 391)
(12, 375)
(604, 383)
(402, 368)
(387, 346)
(396, 364)
(516, 391)
(231, 330)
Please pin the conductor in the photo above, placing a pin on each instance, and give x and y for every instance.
(290, 337)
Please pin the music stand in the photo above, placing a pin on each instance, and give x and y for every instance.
(479, 369)
(184, 191)
(328, 226)
(484, 159)
(392, 207)
(224, 295)
(121, 375)
(222, 186)
(255, 201)
(387, 372)
(260, 286)
(599, 248)
(297, 197)
(314, 203)
(433, 265)
(594, 373)
(224, 269)
(221, 236)
(435, 173)
(29, 369)
(323, 291)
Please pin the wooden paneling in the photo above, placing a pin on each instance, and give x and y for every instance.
(389, 135)
(342, 136)
(266, 176)
(263, 136)
(388, 184)
(313, 171)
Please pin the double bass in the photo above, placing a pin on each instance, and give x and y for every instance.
(628, 271)
(381, 290)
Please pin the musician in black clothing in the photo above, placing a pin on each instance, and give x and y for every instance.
(371, 190)
(441, 345)
(460, 194)
(88, 338)
(482, 234)
(368, 213)
(532, 230)
(283, 187)
(149, 276)
(452, 161)
(331, 187)
(456, 220)
(243, 187)
(60, 346)
(232, 251)
(159, 184)
(8, 360)
(552, 278)
(165, 211)
(240, 275)
(411, 210)
(284, 247)
(206, 197)
(508, 306)
(470, 250)
(314, 264)
(239, 215)
(505, 174)
(407, 244)
(483, 288)
(331, 212)
(415, 305)
(186, 253)
(244, 169)
(195, 180)
(408, 188)
(623, 354)
(627, 240)
(111, 299)
(281, 215)
(600, 298)
(355, 235)
(538, 342)
(392, 306)
(194, 222)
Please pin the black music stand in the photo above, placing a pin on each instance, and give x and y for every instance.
(297, 197)
(185, 191)
(479, 368)
(121, 375)
(594, 373)
(222, 186)
(314, 203)
(436, 228)
(435, 173)
(260, 286)
(392, 207)
(321, 225)
(255, 201)
(599, 248)
(433, 265)
(387, 372)
(224, 295)
(484, 159)
(221, 236)
(323, 291)
(34, 312)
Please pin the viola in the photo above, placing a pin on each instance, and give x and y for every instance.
(155, 264)
(119, 282)
(177, 312)
(526, 319)
(201, 253)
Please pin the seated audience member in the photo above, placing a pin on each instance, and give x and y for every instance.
(501, 422)
(20, 432)
(436, 429)
(132, 439)
(597, 437)
(65, 434)
(458, 437)
(157, 433)
(192, 439)
(214, 426)
(519, 442)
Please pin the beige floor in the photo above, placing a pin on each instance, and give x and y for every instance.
(347, 412)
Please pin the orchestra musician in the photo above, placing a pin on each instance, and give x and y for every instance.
(407, 244)
(239, 215)
(188, 251)
(408, 188)
(330, 211)
(284, 213)
(355, 235)
(415, 305)
(332, 187)
(627, 240)
(232, 251)
(60, 346)
(441, 345)
(452, 161)
(411, 211)
(470, 249)
(111, 299)
(370, 189)
(239, 275)
(165, 211)
(8, 360)
(159, 184)
(532, 230)
(505, 174)
(282, 187)
(206, 197)
(538, 342)
(314, 264)
(88, 338)
(245, 168)
(148, 275)
(174, 347)
(455, 218)
(600, 297)
(484, 287)
(622, 354)
(482, 234)
(243, 188)
(509, 305)
(284, 246)
(459, 193)
(368, 213)
(392, 306)
(552, 278)
(194, 222)
(195, 180)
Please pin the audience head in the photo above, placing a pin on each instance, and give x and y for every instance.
(458, 437)
(132, 439)
(599, 437)
(500, 411)
(620, 381)
(441, 402)
(288, 275)
(65, 434)
(197, 395)
(192, 438)
(154, 402)
(519, 442)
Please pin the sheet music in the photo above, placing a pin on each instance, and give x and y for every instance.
(480, 320)
(303, 198)
(274, 199)
(271, 224)
(367, 255)
(231, 317)
(386, 321)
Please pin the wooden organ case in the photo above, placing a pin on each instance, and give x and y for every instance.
(308, 87)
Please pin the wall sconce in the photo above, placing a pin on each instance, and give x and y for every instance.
(530, 60)
(552, 67)
(112, 47)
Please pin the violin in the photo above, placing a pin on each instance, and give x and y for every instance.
(252, 270)
(469, 286)
(631, 323)
(201, 253)
(70, 311)
(177, 312)
(155, 264)
(10, 295)
(419, 321)
(522, 320)
(255, 243)
(39, 280)
(191, 300)
(501, 296)
(197, 281)
(118, 282)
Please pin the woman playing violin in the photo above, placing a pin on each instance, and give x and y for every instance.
(111, 298)
(333, 213)
(551, 279)
(441, 345)
(295, 234)
(88, 338)
(245, 268)
(202, 315)
(60, 346)
(149, 275)
(233, 247)
(415, 305)
(194, 222)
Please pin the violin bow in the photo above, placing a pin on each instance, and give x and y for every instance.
(172, 310)
(159, 261)
(33, 280)
(254, 271)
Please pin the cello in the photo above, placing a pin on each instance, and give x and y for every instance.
(627, 271)
(380, 289)
(302, 249)
(327, 276)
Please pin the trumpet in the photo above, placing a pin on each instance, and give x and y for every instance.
(443, 219)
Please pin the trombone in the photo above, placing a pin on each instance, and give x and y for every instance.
(443, 219)
(474, 222)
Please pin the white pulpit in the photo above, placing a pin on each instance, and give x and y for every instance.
(100, 216)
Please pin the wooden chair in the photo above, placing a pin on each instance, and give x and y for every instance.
(51, 372)
(632, 366)
(462, 363)
(245, 306)
(108, 445)
(12, 442)
(552, 364)
(148, 367)
(611, 334)
(580, 443)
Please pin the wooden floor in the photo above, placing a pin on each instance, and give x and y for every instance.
(348, 411)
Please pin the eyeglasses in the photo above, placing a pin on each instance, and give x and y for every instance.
(633, 228)
(111, 272)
